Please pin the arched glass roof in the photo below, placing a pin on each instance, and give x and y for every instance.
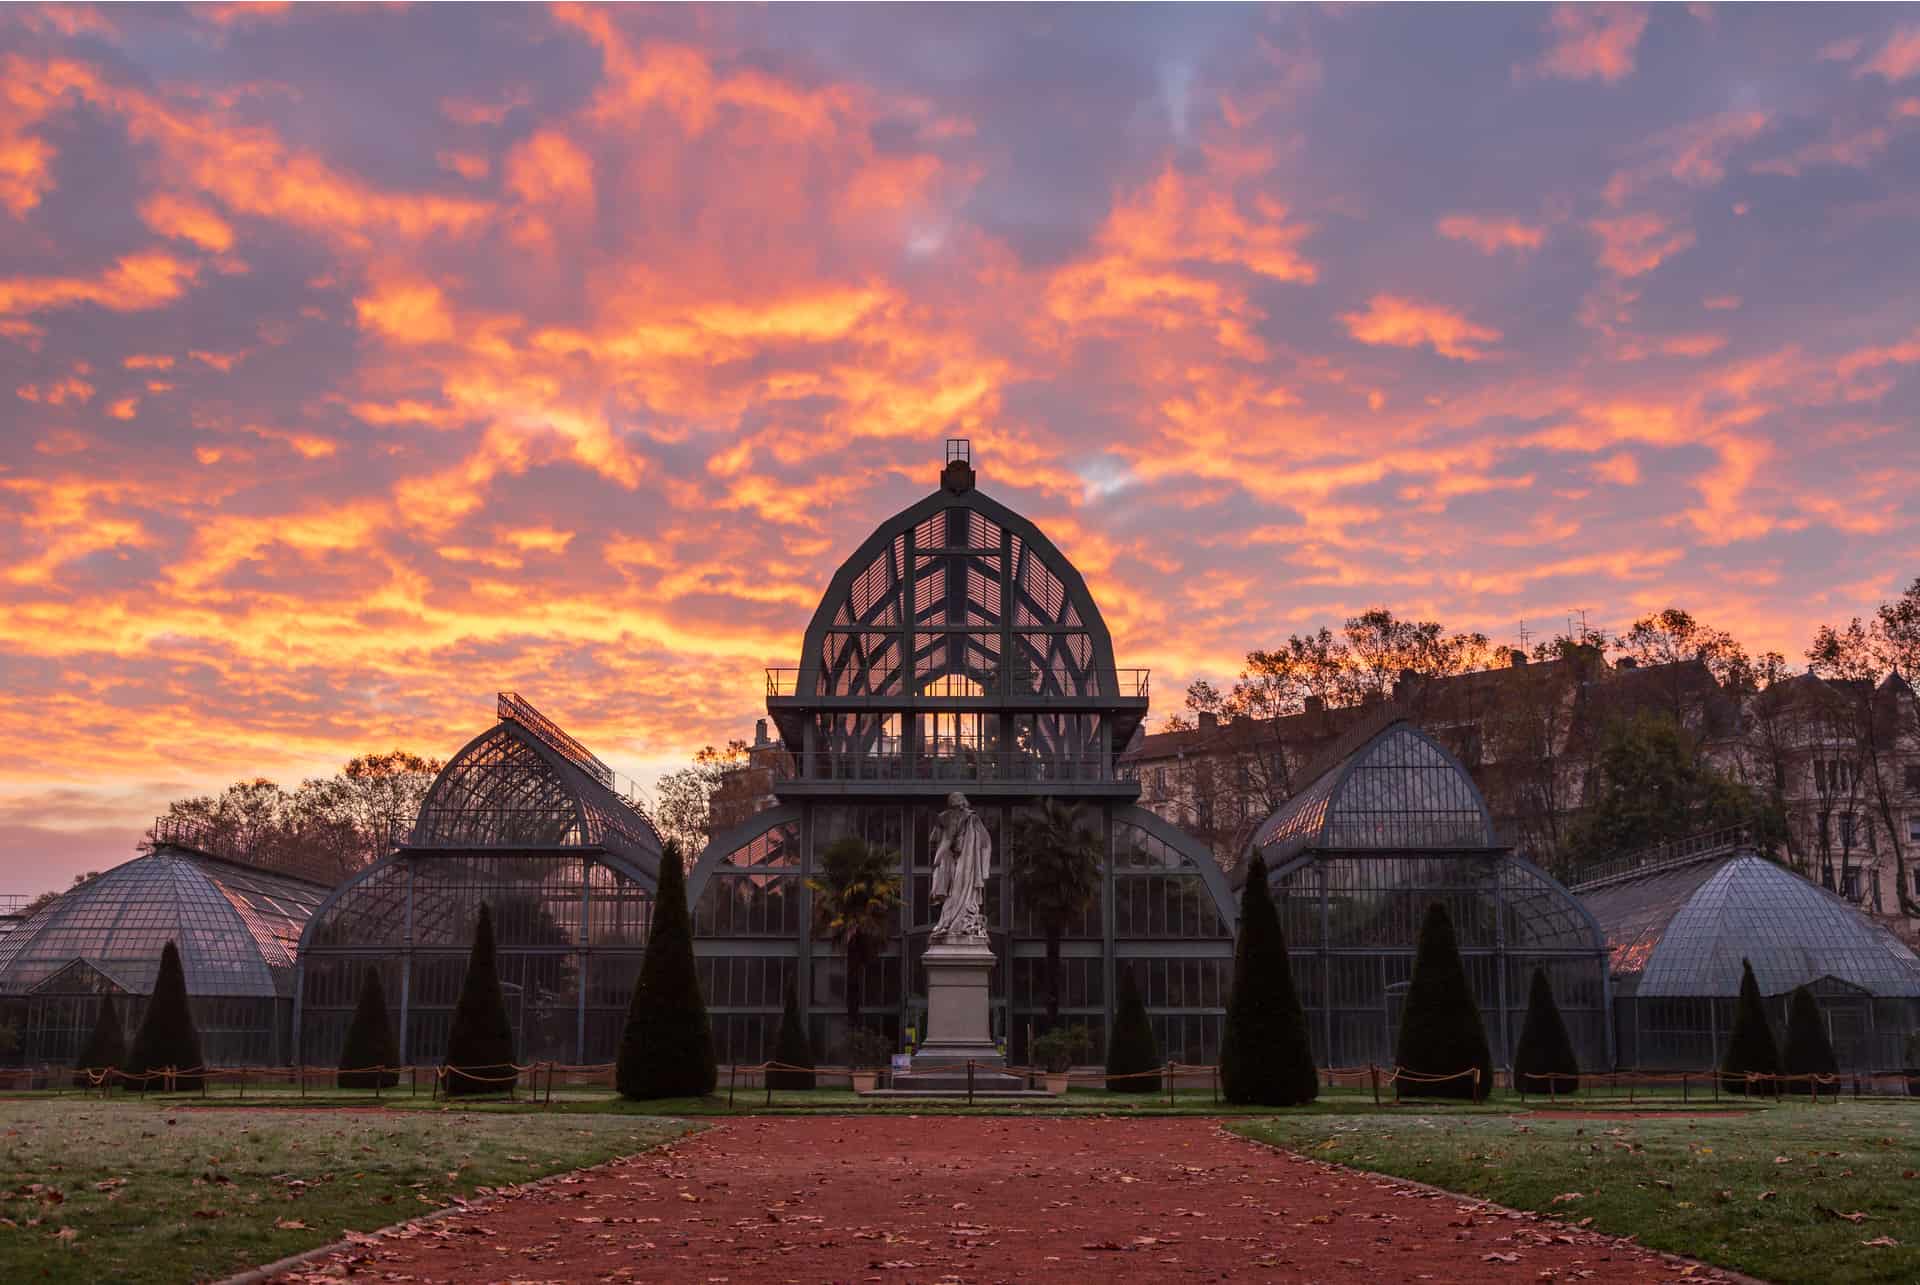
(1683, 931)
(524, 784)
(997, 610)
(237, 928)
(1399, 790)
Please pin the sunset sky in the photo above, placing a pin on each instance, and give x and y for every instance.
(358, 362)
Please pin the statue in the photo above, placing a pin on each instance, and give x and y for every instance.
(961, 853)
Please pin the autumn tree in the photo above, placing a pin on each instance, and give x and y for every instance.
(1672, 637)
(1875, 715)
(681, 798)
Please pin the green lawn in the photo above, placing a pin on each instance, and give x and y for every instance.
(1789, 1193)
(122, 1190)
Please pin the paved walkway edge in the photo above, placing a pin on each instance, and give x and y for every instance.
(280, 1266)
(1480, 1202)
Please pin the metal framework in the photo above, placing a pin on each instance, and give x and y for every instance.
(958, 649)
(236, 927)
(1359, 854)
(1678, 930)
(526, 820)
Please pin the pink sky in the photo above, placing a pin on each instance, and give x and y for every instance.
(360, 362)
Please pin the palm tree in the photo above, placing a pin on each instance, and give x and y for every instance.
(1056, 872)
(854, 899)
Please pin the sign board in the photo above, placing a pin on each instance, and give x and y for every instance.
(903, 1061)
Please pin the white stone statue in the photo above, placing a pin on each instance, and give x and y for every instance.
(961, 854)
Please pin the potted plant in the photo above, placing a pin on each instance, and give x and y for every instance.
(1058, 1050)
(867, 1052)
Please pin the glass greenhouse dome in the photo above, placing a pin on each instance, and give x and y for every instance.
(236, 927)
(958, 650)
(1677, 933)
(1387, 825)
(524, 819)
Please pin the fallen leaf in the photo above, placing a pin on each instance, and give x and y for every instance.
(1566, 1196)
(1501, 1258)
(1882, 1242)
(291, 1224)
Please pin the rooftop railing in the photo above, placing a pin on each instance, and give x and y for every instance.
(1037, 684)
(1663, 856)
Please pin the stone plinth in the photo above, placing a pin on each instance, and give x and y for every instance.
(958, 1029)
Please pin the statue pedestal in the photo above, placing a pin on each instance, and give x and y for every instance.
(957, 1026)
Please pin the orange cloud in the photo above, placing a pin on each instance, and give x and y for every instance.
(1591, 42)
(135, 283)
(125, 408)
(1635, 244)
(1699, 345)
(1621, 470)
(57, 393)
(1400, 322)
(549, 168)
(176, 216)
(468, 165)
(406, 310)
(1492, 234)
(1898, 59)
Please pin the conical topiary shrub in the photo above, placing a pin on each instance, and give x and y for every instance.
(1750, 1046)
(667, 1050)
(1808, 1051)
(167, 1038)
(1544, 1050)
(370, 1041)
(106, 1048)
(480, 1043)
(1132, 1048)
(793, 1049)
(1265, 1057)
(1440, 1029)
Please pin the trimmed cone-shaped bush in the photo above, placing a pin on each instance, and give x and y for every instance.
(167, 1037)
(1750, 1046)
(106, 1048)
(793, 1048)
(370, 1041)
(480, 1043)
(1544, 1049)
(1808, 1050)
(1132, 1047)
(1440, 1029)
(1265, 1057)
(667, 1050)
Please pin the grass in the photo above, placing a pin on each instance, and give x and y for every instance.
(122, 1190)
(1778, 1193)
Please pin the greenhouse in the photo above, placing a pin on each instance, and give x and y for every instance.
(527, 820)
(958, 650)
(1677, 933)
(236, 927)
(1388, 823)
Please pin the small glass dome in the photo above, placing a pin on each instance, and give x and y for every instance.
(237, 928)
(1684, 932)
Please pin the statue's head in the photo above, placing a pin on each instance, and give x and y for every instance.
(956, 800)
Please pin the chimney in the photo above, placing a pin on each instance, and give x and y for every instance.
(1516, 658)
(1406, 685)
(1626, 662)
(1316, 704)
(760, 741)
(1208, 720)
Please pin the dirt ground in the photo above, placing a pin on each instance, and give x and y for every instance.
(981, 1199)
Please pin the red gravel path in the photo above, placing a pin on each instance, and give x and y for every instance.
(981, 1199)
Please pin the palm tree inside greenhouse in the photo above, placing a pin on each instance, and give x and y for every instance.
(855, 897)
(1056, 874)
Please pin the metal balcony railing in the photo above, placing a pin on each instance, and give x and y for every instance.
(984, 766)
(1038, 684)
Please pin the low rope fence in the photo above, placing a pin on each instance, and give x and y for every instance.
(540, 1078)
